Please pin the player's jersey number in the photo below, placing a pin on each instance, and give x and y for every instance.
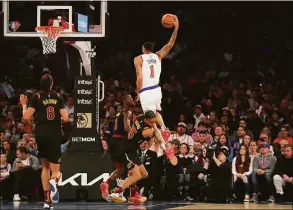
(152, 71)
(50, 113)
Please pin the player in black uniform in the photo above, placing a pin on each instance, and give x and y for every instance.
(118, 144)
(48, 108)
(143, 129)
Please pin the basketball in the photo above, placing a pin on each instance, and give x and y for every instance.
(168, 21)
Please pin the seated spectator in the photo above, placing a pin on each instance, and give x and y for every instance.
(284, 135)
(253, 150)
(242, 169)
(246, 140)
(181, 136)
(219, 130)
(184, 164)
(5, 169)
(235, 144)
(202, 128)
(220, 173)
(24, 173)
(263, 167)
(32, 146)
(284, 173)
(10, 154)
(242, 123)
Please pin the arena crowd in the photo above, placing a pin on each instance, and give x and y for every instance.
(231, 121)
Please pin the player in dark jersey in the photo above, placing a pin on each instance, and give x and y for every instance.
(48, 109)
(118, 144)
(143, 129)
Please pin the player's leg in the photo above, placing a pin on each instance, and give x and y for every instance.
(45, 177)
(135, 196)
(42, 142)
(54, 157)
(134, 175)
(116, 151)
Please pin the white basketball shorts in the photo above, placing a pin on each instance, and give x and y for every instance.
(150, 98)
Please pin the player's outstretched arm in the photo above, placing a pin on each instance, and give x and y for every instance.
(138, 69)
(166, 49)
(27, 113)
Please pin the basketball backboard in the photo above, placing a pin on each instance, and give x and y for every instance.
(88, 18)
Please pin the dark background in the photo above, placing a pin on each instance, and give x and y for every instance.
(260, 32)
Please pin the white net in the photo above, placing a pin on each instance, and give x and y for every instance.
(49, 36)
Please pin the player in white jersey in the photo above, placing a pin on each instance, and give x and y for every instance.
(148, 72)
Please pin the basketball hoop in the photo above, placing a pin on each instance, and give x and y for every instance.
(49, 36)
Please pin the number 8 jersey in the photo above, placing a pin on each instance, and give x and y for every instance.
(47, 106)
(151, 70)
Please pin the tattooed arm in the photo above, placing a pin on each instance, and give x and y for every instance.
(138, 68)
(166, 49)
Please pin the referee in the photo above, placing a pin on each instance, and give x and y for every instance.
(48, 109)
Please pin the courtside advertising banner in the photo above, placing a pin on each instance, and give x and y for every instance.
(84, 134)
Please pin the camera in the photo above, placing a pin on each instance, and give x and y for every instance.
(210, 153)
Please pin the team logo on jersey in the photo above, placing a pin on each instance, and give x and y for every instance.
(84, 120)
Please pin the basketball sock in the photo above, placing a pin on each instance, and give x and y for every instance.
(109, 181)
(47, 197)
(133, 191)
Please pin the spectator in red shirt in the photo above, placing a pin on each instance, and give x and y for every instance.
(284, 136)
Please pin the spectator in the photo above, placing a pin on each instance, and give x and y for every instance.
(198, 116)
(263, 167)
(24, 172)
(242, 123)
(5, 169)
(181, 136)
(69, 106)
(202, 127)
(10, 154)
(219, 130)
(284, 173)
(246, 140)
(220, 173)
(284, 136)
(242, 169)
(184, 164)
(253, 150)
(150, 161)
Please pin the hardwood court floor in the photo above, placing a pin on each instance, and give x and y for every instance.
(162, 205)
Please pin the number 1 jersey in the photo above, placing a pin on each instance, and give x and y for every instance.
(151, 70)
(47, 106)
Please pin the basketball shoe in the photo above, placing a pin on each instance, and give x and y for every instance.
(104, 187)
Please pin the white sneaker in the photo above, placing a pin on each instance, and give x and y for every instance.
(48, 206)
(16, 197)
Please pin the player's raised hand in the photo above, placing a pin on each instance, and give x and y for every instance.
(23, 99)
(176, 22)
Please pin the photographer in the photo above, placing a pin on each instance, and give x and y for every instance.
(220, 176)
